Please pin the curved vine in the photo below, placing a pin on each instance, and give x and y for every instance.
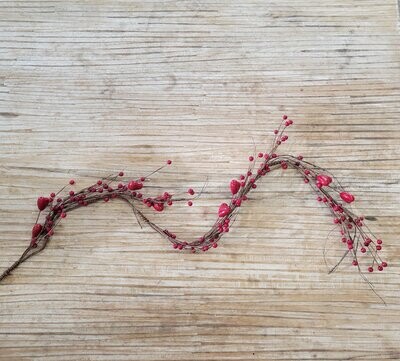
(355, 235)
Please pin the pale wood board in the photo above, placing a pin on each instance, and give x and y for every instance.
(92, 87)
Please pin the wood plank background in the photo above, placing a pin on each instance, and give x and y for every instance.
(92, 87)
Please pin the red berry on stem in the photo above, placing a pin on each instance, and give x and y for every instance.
(133, 185)
(159, 207)
(235, 186)
(42, 203)
(324, 179)
(36, 229)
(223, 210)
(71, 182)
(347, 197)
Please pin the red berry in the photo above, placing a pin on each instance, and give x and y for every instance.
(42, 203)
(347, 197)
(379, 241)
(363, 250)
(121, 174)
(370, 269)
(355, 263)
(235, 186)
(36, 229)
(52, 195)
(284, 117)
(223, 210)
(324, 179)
(190, 191)
(169, 161)
(384, 264)
(260, 155)
(71, 182)
(133, 185)
(380, 268)
(159, 207)
(378, 247)
(63, 215)
(190, 203)
(251, 158)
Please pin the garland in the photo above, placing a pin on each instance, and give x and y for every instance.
(356, 237)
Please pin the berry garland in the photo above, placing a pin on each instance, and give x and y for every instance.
(356, 237)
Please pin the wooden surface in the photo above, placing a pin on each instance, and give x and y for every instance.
(92, 87)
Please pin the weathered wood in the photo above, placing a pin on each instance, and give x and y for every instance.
(91, 87)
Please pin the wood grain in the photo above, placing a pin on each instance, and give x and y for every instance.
(91, 87)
